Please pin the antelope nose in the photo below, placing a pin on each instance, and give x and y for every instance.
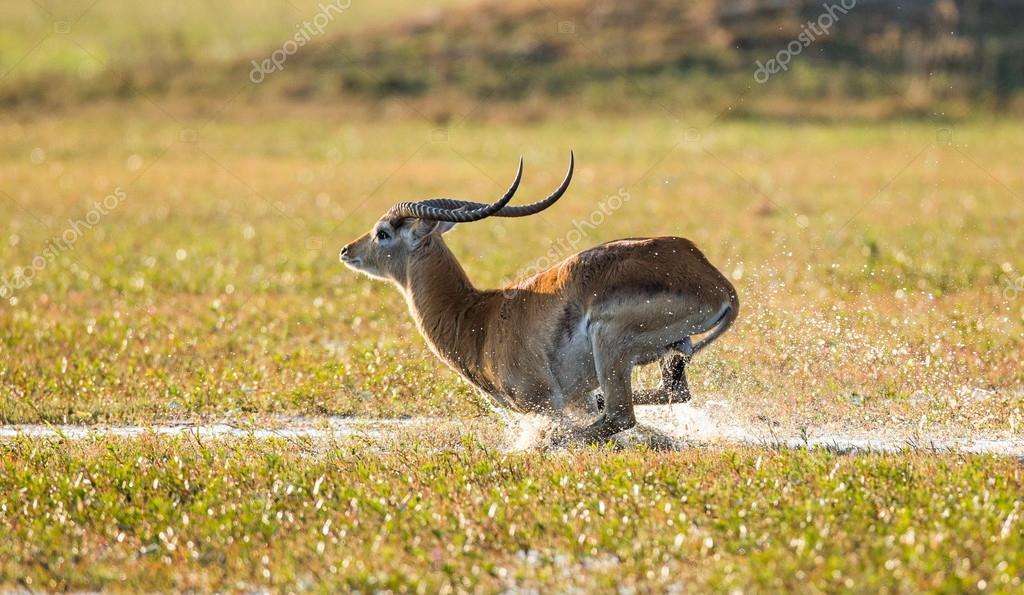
(344, 253)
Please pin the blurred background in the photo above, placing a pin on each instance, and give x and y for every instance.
(852, 59)
(176, 179)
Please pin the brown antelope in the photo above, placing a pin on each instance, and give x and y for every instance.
(546, 342)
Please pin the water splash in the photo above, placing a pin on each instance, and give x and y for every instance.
(664, 426)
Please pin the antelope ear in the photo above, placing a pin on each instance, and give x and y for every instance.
(421, 228)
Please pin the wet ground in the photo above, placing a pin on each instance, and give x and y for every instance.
(662, 427)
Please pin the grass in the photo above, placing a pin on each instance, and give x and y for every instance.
(160, 514)
(875, 262)
(879, 266)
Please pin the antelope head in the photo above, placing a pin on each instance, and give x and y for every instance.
(411, 231)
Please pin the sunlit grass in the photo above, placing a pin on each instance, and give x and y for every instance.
(159, 514)
(879, 268)
(873, 261)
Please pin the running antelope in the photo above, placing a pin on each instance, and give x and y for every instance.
(547, 342)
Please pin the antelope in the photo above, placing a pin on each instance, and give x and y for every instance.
(567, 338)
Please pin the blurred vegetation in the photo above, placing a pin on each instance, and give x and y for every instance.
(923, 57)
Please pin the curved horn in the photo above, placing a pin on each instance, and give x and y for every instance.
(519, 211)
(540, 205)
(444, 209)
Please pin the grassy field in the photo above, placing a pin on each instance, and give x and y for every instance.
(180, 514)
(877, 264)
(172, 259)
(878, 267)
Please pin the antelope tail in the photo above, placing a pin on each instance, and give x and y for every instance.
(725, 319)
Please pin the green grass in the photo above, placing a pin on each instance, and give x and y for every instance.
(879, 266)
(157, 514)
(872, 261)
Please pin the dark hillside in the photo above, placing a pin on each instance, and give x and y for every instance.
(872, 57)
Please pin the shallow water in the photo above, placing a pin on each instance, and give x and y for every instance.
(667, 426)
(711, 424)
(281, 427)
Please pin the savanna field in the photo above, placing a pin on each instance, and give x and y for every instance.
(877, 256)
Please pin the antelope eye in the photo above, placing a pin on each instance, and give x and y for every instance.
(383, 235)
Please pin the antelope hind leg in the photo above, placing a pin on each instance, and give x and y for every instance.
(674, 388)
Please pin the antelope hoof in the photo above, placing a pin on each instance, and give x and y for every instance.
(600, 432)
(561, 438)
(567, 437)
